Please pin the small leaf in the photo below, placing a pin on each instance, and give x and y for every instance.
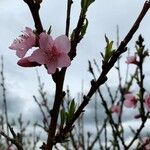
(108, 49)
(71, 110)
(72, 107)
(62, 117)
(85, 4)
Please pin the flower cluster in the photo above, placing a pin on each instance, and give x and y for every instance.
(51, 53)
(130, 101)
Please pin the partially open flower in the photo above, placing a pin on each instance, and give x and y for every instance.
(25, 41)
(132, 60)
(130, 100)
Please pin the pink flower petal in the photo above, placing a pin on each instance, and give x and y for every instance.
(62, 44)
(128, 96)
(128, 103)
(63, 60)
(24, 62)
(24, 42)
(38, 56)
(51, 67)
(46, 41)
(28, 30)
(21, 52)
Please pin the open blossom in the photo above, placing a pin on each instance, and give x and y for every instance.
(130, 100)
(132, 60)
(147, 103)
(25, 41)
(116, 109)
(52, 53)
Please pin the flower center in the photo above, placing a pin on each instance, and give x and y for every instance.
(52, 55)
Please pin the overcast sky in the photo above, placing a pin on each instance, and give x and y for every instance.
(103, 16)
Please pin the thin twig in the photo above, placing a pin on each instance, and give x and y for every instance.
(12, 140)
(34, 8)
(4, 96)
(68, 16)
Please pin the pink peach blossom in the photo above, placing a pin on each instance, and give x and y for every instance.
(52, 53)
(25, 41)
(130, 100)
(147, 103)
(132, 60)
(116, 109)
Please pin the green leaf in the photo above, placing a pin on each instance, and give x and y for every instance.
(71, 110)
(108, 49)
(72, 107)
(62, 117)
(85, 4)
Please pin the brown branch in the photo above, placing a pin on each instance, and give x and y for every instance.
(107, 66)
(58, 77)
(76, 38)
(138, 131)
(98, 135)
(45, 121)
(4, 96)
(34, 7)
(55, 112)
